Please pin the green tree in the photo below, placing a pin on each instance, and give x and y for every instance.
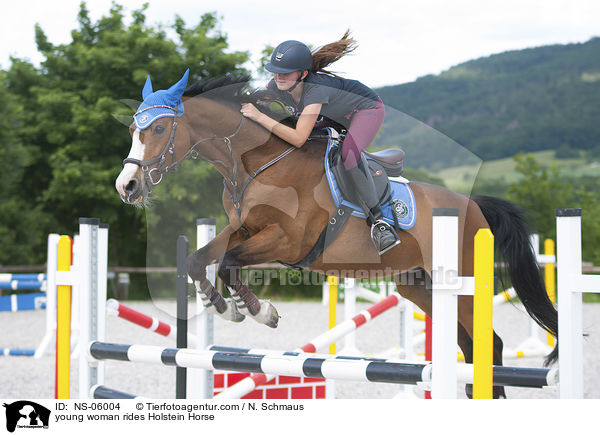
(542, 191)
(19, 216)
(60, 134)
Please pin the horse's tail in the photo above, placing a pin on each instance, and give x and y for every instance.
(511, 238)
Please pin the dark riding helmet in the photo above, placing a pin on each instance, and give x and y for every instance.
(290, 56)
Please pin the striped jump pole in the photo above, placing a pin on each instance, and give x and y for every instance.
(16, 352)
(299, 364)
(22, 281)
(24, 302)
(9, 277)
(503, 375)
(22, 285)
(274, 363)
(151, 323)
(320, 342)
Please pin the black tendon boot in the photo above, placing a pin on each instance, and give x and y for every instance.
(382, 234)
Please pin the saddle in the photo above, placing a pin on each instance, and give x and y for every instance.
(381, 164)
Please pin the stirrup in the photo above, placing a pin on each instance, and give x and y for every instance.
(384, 226)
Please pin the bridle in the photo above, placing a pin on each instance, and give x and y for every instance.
(155, 175)
(235, 193)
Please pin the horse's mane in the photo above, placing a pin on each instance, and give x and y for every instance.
(229, 87)
(233, 89)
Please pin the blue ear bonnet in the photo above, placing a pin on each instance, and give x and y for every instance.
(160, 103)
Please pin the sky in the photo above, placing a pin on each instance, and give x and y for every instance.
(399, 41)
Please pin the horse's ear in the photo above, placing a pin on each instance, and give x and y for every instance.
(147, 88)
(178, 88)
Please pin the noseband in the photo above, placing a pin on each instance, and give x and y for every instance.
(155, 175)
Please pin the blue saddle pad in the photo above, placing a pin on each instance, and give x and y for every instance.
(403, 199)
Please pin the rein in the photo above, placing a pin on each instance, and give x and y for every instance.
(234, 194)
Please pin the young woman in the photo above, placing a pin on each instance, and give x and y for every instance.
(302, 84)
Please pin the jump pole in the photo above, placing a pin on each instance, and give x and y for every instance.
(300, 364)
(151, 323)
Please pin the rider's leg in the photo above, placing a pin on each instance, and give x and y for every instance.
(383, 235)
(363, 128)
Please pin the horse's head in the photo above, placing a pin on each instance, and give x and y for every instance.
(157, 144)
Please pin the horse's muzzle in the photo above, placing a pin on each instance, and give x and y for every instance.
(132, 192)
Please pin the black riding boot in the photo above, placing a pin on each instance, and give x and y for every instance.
(382, 234)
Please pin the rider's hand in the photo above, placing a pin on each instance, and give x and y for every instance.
(250, 111)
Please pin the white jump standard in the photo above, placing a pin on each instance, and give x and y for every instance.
(571, 284)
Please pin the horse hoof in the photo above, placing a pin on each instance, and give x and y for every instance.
(268, 315)
(232, 313)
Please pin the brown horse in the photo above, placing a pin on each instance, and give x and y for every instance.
(279, 214)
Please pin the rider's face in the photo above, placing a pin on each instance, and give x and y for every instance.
(286, 81)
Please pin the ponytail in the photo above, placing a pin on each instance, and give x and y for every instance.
(330, 53)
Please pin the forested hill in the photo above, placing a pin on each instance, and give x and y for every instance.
(528, 100)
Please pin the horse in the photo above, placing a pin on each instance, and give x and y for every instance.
(278, 202)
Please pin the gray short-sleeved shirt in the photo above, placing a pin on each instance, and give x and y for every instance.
(338, 96)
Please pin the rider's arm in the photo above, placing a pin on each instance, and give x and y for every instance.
(295, 136)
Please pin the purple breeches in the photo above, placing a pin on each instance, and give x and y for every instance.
(364, 126)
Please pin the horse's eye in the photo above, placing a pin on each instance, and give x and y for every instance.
(159, 129)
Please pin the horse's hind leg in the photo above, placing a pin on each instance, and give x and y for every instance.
(415, 285)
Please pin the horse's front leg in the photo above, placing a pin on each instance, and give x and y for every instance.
(197, 262)
(269, 244)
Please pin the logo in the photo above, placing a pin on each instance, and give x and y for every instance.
(279, 55)
(400, 208)
(26, 414)
(143, 118)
